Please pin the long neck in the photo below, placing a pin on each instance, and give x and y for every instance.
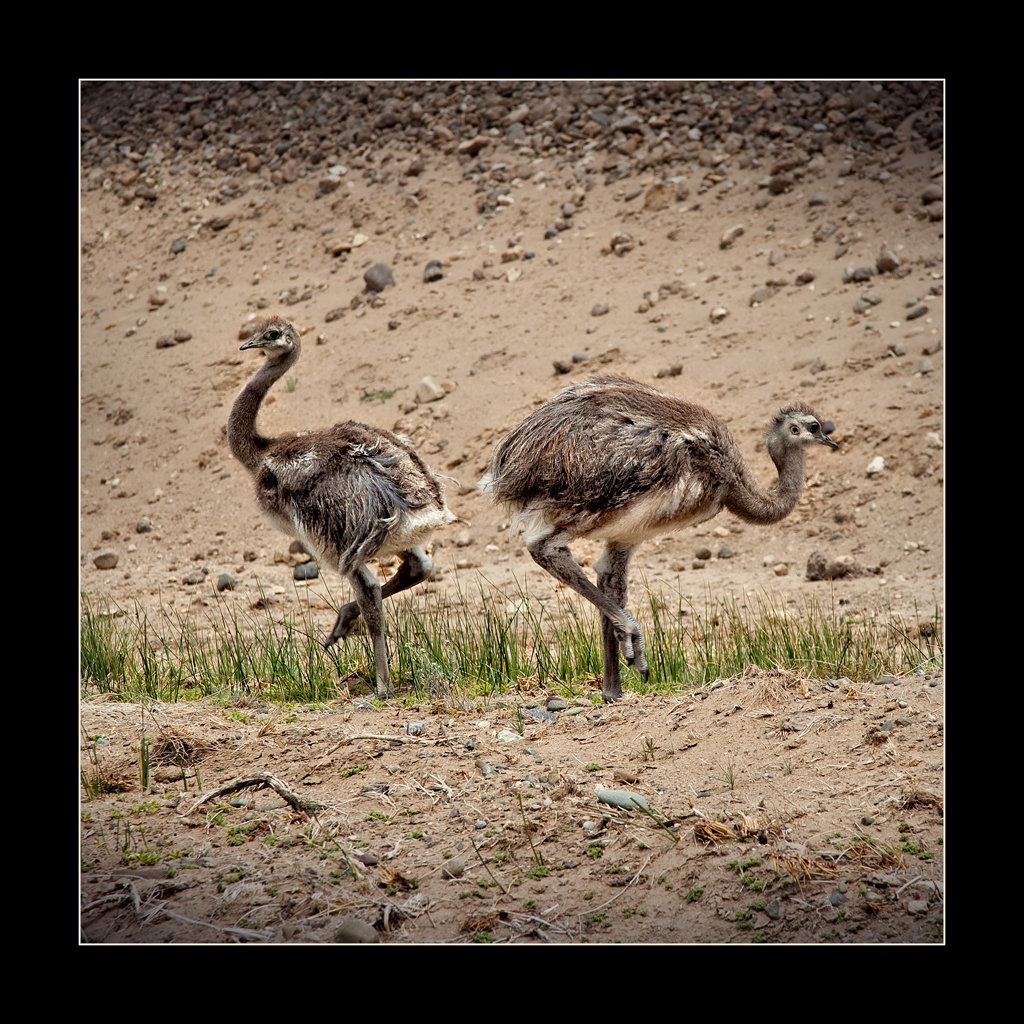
(246, 443)
(751, 502)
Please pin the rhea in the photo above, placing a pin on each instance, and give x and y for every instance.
(615, 460)
(349, 493)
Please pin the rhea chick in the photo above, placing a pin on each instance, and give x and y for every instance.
(613, 459)
(349, 493)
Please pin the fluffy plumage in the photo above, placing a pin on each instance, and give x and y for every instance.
(350, 492)
(614, 459)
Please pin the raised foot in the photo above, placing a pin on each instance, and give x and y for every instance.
(631, 643)
(348, 616)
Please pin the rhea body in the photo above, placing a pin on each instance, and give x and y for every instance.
(615, 460)
(349, 493)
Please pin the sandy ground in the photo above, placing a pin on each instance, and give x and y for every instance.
(737, 283)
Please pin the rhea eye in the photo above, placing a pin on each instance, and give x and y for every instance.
(794, 429)
(812, 427)
(273, 335)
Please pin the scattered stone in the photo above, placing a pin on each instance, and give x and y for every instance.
(353, 930)
(887, 261)
(875, 466)
(729, 236)
(620, 798)
(225, 582)
(453, 869)
(660, 196)
(145, 524)
(428, 390)
(433, 271)
(916, 312)
(306, 571)
(857, 274)
(378, 277)
(540, 714)
(620, 244)
(599, 309)
(821, 568)
(105, 559)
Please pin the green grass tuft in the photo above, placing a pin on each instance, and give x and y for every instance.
(443, 646)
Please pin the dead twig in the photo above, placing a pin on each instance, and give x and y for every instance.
(261, 779)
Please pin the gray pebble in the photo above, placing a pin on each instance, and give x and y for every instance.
(306, 571)
(621, 798)
(105, 559)
(544, 716)
(378, 277)
(453, 869)
(352, 929)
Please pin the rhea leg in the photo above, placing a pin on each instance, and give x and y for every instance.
(551, 553)
(416, 566)
(368, 598)
(612, 579)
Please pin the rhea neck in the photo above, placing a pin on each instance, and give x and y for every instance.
(247, 444)
(748, 500)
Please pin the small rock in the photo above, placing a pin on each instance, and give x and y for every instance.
(353, 930)
(306, 571)
(105, 559)
(660, 196)
(428, 390)
(887, 260)
(453, 869)
(730, 236)
(378, 277)
(620, 798)
(875, 466)
(225, 582)
(433, 271)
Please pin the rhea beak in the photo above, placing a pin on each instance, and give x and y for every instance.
(253, 342)
(826, 428)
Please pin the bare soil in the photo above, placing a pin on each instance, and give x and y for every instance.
(782, 808)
